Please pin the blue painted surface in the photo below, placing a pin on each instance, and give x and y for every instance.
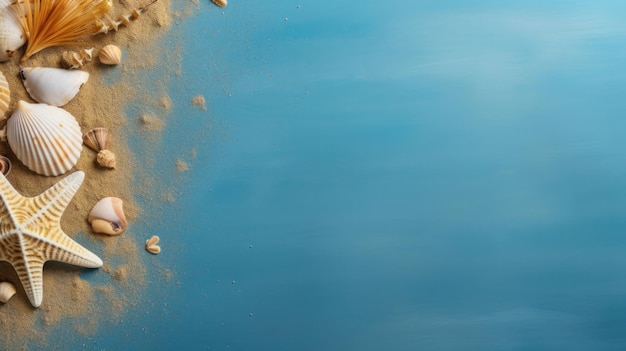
(422, 175)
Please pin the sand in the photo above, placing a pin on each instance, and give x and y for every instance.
(67, 296)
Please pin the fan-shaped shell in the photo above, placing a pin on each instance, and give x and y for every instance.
(97, 138)
(5, 95)
(47, 139)
(110, 55)
(11, 35)
(53, 86)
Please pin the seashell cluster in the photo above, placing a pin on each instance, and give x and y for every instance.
(7, 290)
(98, 140)
(110, 55)
(151, 245)
(46, 139)
(107, 216)
(53, 86)
(5, 95)
(76, 60)
(11, 35)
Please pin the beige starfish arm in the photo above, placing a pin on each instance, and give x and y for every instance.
(48, 207)
(57, 246)
(30, 272)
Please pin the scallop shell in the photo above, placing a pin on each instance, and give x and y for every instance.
(53, 86)
(11, 35)
(5, 95)
(110, 55)
(97, 139)
(45, 138)
(107, 216)
(5, 165)
(7, 290)
(151, 245)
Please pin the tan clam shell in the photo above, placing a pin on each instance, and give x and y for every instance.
(46, 139)
(110, 55)
(151, 245)
(7, 290)
(107, 216)
(220, 3)
(5, 95)
(11, 34)
(53, 86)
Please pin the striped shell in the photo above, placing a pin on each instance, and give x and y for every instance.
(5, 95)
(11, 35)
(45, 138)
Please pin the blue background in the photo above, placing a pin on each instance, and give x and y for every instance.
(410, 175)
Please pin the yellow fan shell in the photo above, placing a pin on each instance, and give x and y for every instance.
(46, 139)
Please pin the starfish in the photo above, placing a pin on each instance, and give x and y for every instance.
(31, 234)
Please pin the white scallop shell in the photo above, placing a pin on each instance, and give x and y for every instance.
(5, 95)
(47, 139)
(53, 86)
(11, 35)
(107, 216)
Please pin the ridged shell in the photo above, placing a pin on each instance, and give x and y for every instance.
(11, 34)
(45, 138)
(110, 55)
(5, 95)
(7, 290)
(107, 216)
(53, 86)
(97, 139)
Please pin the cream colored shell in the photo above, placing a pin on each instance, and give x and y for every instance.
(5, 95)
(110, 55)
(45, 138)
(7, 290)
(53, 86)
(107, 216)
(151, 245)
(220, 3)
(11, 35)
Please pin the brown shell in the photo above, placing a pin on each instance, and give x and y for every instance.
(5, 165)
(97, 139)
(220, 3)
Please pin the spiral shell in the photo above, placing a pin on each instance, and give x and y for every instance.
(53, 86)
(45, 138)
(110, 55)
(107, 216)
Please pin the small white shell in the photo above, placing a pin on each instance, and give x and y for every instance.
(11, 34)
(45, 138)
(110, 55)
(7, 290)
(5, 95)
(53, 86)
(107, 216)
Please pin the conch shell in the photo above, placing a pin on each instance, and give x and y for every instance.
(107, 216)
(45, 138)
(53, 86)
